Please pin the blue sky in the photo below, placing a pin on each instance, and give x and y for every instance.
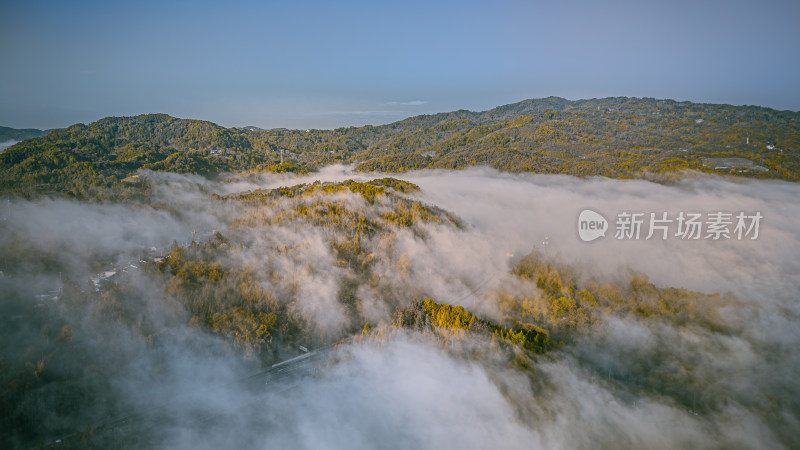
(315, 64)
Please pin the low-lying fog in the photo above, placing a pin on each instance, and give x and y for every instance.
(407, 392)
(6, 144)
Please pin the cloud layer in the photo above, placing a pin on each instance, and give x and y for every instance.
(405, 390)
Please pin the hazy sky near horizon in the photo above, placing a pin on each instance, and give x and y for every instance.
(314, 64)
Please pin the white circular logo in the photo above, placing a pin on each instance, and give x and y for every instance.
(591, 225)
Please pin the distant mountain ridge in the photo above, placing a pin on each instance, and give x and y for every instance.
(615, 137)
(17, 134)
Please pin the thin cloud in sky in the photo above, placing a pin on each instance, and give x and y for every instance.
(360, 113)
(409, 103)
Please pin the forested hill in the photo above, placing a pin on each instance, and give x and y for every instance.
(614, 137)
(15, 134)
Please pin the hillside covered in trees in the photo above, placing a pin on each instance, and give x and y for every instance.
(612, 137)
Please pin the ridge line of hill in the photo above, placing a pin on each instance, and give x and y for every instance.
(616, 137)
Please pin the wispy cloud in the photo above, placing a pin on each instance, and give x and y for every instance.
(360, 113)
(408, 103)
